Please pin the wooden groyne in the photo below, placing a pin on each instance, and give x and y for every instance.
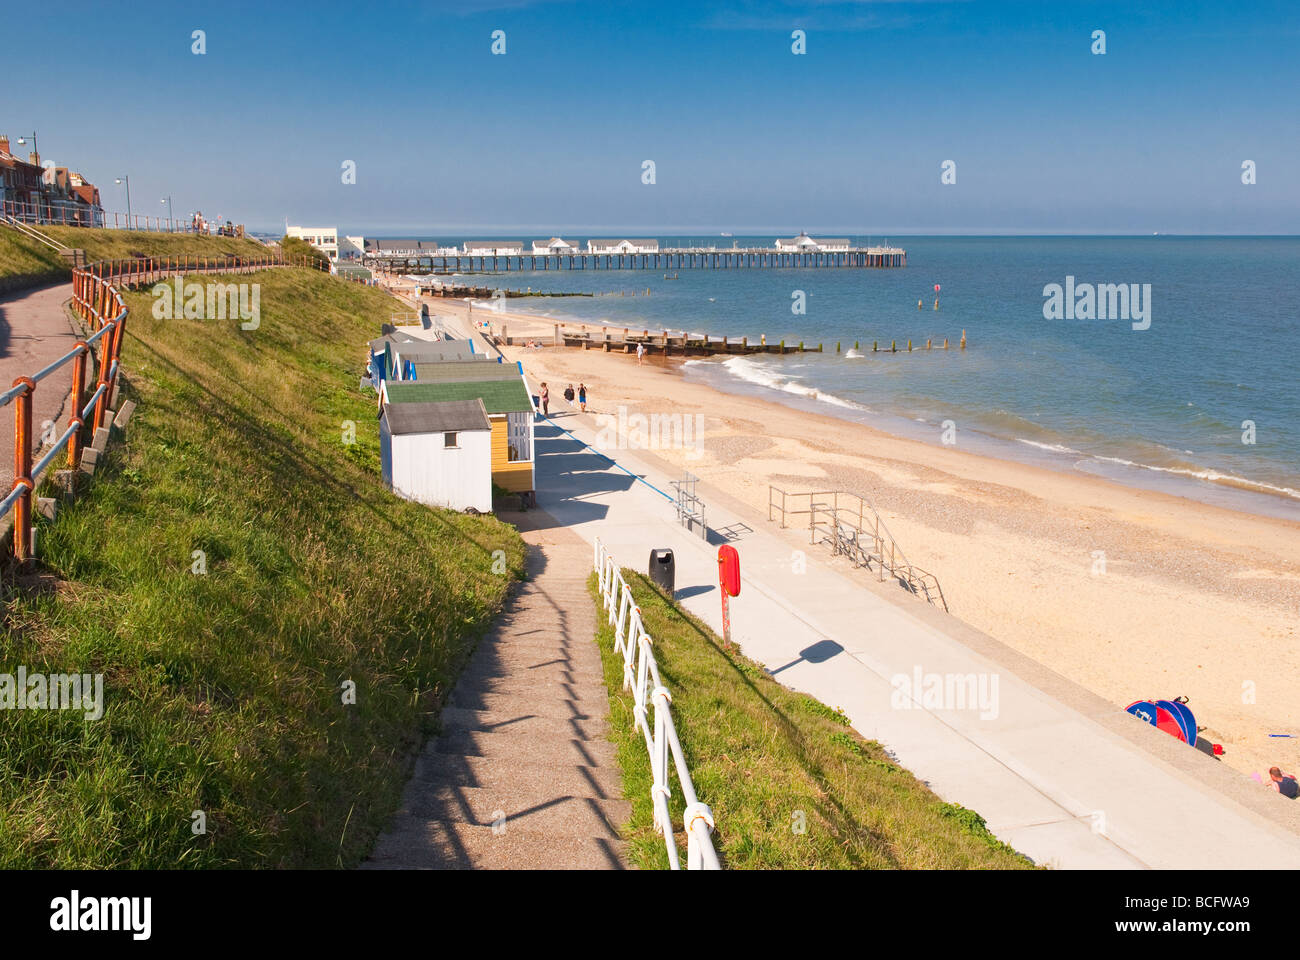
(682, 344)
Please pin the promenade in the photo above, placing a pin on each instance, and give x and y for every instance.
(1066, 778)
(34, 331)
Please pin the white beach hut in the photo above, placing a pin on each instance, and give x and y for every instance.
(439, 453)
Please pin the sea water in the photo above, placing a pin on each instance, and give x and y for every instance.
(1199, 398)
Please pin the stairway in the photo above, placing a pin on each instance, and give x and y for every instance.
(522, 775)
(32, 233)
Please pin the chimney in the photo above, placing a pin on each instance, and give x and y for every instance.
(34, 159)
(4, 144)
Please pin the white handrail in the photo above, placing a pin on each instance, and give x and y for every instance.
(632, 642)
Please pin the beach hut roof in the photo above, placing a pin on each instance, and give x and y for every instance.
(381, 343)
(438, 350)
(452, 371)
(498, 396)
(437, 417)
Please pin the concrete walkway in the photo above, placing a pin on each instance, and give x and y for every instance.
(1063, 776)
(34, 331)
(523, 775)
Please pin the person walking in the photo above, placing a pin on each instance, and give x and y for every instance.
(582, 396)
(568, 394)
(640, 353)
(546, 401)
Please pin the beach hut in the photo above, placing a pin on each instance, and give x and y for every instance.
(431, 351)
(438, 453)
(381, 350)
(450, 371)
(510, 410)
(391, 357)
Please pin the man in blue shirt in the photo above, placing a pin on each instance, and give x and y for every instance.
(1284, 783)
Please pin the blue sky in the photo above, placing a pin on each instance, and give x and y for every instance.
(745, 136)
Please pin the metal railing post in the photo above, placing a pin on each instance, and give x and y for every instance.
(23, 470)
(78, 388)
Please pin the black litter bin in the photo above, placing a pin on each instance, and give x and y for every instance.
(663, 570)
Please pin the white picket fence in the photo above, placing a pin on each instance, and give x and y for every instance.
(641, 676)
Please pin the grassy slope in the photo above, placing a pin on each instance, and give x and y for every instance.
(758, 752)
(25, 262)
(223, 690)
(105, 244)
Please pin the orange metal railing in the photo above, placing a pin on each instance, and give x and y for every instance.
(97, 299)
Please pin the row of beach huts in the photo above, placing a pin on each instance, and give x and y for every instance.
(455, 423)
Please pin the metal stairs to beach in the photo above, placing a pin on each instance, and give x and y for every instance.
(522, 775)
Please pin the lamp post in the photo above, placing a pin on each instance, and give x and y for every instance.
(126, 180)
(36, 152)
(22, 140)
(168, 200)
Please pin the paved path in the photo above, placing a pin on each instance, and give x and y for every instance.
(524, 739)
(34, 331)
(1062, 775)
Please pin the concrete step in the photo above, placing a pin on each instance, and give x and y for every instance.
(521, 703)
(535, 668)
(541, 641)
(463, 846)
(592, 697)
(523, 722)
(540, 613)
(602, 783)
(527, 656)
(543, 812)
(508, 748)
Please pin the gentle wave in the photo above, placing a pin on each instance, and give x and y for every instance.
(1052, 447)
(1212, 476)
(751, 372)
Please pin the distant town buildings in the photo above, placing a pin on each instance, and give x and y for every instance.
(49, 194)
(324, 239)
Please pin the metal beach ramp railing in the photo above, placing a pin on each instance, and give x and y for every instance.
(854, 529)
(641, 675)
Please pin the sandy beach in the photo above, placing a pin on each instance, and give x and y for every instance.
(1194, 600)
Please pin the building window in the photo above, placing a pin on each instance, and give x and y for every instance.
(449, 440)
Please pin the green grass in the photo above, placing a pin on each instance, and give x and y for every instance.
(25, 262)
(223, 690)
(296, 247)
(765, 759)
(109, 244)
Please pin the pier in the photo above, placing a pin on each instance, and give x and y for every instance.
(666, 260)
(681, 344)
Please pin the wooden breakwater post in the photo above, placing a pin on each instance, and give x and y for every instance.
(963, 339)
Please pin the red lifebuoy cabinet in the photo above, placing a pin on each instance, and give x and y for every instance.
(729, 570)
